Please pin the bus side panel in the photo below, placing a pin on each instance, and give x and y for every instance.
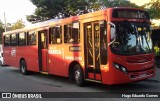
(57, 64)
(29, 54)
(32, 58)
(10, 56)
(7, 55)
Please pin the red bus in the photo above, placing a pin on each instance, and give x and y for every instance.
(111, 46)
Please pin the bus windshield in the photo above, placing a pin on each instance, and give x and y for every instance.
(132, 38)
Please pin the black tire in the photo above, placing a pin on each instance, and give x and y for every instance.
(1, 63)
(79, 75)
(157, 61)
(158, 64)
(23, 67)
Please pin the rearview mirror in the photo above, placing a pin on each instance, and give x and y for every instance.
(113, 32)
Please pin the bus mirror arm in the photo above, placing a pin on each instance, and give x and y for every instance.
(112, 42)
(112, 24)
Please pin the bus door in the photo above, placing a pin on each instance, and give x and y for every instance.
(43, 50)
(92, 51)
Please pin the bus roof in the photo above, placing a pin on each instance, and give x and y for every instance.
(33, 26)
(53, 22)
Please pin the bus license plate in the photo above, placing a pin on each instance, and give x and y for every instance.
(142, 75)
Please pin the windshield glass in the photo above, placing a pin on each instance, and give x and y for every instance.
(132, 38)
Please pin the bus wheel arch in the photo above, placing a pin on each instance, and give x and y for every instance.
(76, 73)
(23, 66)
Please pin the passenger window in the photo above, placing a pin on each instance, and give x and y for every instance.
(55, 35)
(6, 40)
(22, 39)
(72, 33)
(13, 40)
(31, 38)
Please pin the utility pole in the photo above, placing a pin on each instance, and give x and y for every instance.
(5, 25)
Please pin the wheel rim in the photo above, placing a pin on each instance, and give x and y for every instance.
(77, 76)
(23, 68)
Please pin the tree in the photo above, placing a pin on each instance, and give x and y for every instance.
(118, 3)
(153, 8)
(47, 9)
(19, 24)
(82, 6)
(50, 9)
(1, 31)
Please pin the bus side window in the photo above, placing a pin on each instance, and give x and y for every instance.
(31, 40)
(13, 40)
(22, 39)
(55, 35)
(6, 40)
(103, 42)
(72, 33)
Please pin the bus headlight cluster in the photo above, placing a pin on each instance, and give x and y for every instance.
(120, 67)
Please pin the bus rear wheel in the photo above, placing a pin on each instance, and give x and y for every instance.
(23, 67)
(78, 75)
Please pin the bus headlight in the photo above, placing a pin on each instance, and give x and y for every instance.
(120, 67)
(124, 69)
(117, 66)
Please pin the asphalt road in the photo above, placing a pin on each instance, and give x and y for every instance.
(11, 80)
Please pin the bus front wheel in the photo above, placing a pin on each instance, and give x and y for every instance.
(78, 75)
(23, 67)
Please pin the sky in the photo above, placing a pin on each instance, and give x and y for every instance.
(15, 10)
(140, 2)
